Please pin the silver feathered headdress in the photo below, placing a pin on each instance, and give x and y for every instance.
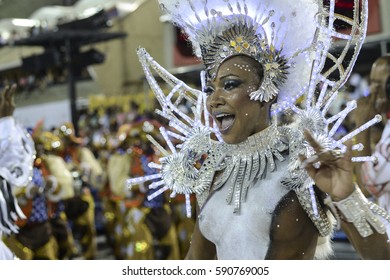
(290, 39)
(264, 30)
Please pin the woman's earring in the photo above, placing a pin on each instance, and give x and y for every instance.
(266, 92)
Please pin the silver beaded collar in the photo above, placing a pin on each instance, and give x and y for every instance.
(248, 161)
(240, 163)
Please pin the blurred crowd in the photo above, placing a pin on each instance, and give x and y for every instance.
(79, 190)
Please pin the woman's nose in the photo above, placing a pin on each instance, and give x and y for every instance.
(216, 99)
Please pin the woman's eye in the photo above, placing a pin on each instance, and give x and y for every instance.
(209, 91)
(231, 84)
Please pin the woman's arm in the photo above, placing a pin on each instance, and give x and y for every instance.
(374, 247)
(334, 176)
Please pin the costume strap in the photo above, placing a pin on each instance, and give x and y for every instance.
(317, 215)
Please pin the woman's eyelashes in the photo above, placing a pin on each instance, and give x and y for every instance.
(231, 84)
(209, 90)
(227, 85)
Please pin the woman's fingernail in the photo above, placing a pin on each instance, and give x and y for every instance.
(312, 159)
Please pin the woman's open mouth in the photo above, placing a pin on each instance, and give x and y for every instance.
(224, 121)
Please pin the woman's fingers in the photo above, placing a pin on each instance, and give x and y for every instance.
(313, 143)
(7, 103)
(308, 165)
(9, 97)
(3, 94)
(9, 93)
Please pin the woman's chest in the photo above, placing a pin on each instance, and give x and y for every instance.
(246, 234)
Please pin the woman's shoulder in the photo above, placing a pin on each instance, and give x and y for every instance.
(297, 179)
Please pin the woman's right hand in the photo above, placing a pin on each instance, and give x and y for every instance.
(7, 104)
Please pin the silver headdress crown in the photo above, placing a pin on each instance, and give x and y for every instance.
(242, 39)
(253, 28)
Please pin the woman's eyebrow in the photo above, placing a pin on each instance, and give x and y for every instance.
(228, 75)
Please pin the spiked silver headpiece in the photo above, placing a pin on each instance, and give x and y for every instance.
(290, 39)
(258, 29)
(241, 39)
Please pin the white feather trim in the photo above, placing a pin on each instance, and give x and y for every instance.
(324, 249)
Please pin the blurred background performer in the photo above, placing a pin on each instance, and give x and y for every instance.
(376, 174)
(17, 155)
(59, 188)
(87, 173)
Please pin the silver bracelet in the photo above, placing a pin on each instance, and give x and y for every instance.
(363, 214)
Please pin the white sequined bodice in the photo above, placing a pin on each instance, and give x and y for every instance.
(243, 235)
